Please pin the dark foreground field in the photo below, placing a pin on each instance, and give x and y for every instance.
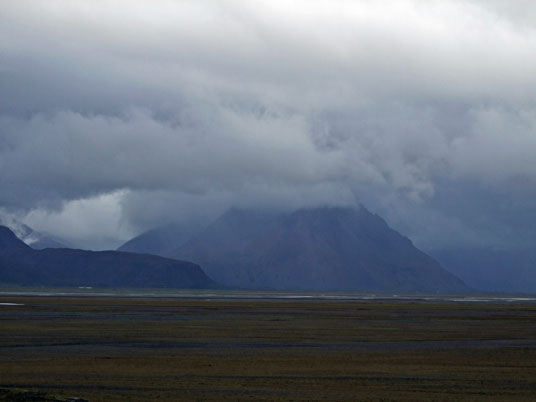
(164, 349)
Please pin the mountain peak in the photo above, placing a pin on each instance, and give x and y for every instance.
(325, 248)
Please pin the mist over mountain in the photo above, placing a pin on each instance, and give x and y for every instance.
(31, 237)
(200, 106)
(424, 109)
(22, 265)
(314, 249)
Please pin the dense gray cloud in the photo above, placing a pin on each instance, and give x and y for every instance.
(423, 110)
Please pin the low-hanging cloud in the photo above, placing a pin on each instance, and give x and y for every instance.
(176, 104)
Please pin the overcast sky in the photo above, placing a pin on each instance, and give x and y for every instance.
(117, 116)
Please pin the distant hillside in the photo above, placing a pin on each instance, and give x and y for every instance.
(22, 265)
(32, 237)
(160, 241)
(315, 249)
(488, 269)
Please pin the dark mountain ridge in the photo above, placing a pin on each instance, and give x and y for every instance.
(22, 265)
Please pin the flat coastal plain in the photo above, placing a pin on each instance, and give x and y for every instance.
(107, 349)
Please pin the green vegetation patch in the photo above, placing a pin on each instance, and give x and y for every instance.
(144, 349)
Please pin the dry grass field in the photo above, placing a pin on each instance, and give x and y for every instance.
(111, 349)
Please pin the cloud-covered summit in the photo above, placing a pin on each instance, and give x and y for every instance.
(423, 110)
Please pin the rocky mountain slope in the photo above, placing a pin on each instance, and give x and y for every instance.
(314, 249)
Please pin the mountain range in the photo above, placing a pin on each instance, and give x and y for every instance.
(23, 265)
(309, 249)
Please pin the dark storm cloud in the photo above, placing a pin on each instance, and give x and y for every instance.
(191, 106)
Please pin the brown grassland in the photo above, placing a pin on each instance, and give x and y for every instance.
(108, 349)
